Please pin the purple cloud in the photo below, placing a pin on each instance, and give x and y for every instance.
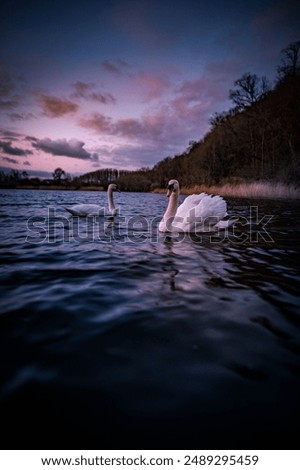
(7, 148)
(155, 130)
(153, 85)
(85, 90)
(9, 160)
(61, 147)
(117, 68)
(10, 135)
(21, 116)
(130, 127)
(97, 122)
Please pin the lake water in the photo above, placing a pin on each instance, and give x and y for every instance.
(116, 337)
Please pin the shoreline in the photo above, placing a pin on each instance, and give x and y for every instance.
(258, 189)
(57, 188)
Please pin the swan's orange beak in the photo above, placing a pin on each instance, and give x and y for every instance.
(169, 192)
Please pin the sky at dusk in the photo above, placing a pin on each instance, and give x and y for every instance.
(93, 84)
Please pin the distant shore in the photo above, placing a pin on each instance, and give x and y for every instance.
(240, 190)
(58, 188)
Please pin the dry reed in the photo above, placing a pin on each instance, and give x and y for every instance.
(246, 190)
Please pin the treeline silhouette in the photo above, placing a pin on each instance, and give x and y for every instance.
(258, 139)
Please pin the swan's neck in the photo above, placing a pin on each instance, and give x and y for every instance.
(172, 206)
(110, 198)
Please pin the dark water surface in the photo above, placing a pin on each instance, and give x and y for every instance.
(113, 336)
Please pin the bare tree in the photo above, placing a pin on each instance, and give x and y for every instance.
(290, 62)
(250, 89)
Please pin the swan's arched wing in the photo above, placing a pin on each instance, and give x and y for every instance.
(203, 216)
(209, 212)
(212, 206)
(189, 203)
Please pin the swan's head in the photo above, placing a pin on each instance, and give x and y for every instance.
(172, 187)
(113, 187)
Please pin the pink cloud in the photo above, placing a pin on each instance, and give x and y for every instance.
(97, 122)
(170, 123)
(146, 128)
(202, 89)
(130, 128)
(56, 107)
(152, 85)
(158, 129)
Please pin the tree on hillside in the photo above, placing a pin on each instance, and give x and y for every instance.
(290, 63)
(249, 90)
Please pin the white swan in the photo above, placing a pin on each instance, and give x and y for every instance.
(197, 213)
(83, 210)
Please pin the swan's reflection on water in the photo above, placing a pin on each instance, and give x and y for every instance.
(194, 263)
(170, 268)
